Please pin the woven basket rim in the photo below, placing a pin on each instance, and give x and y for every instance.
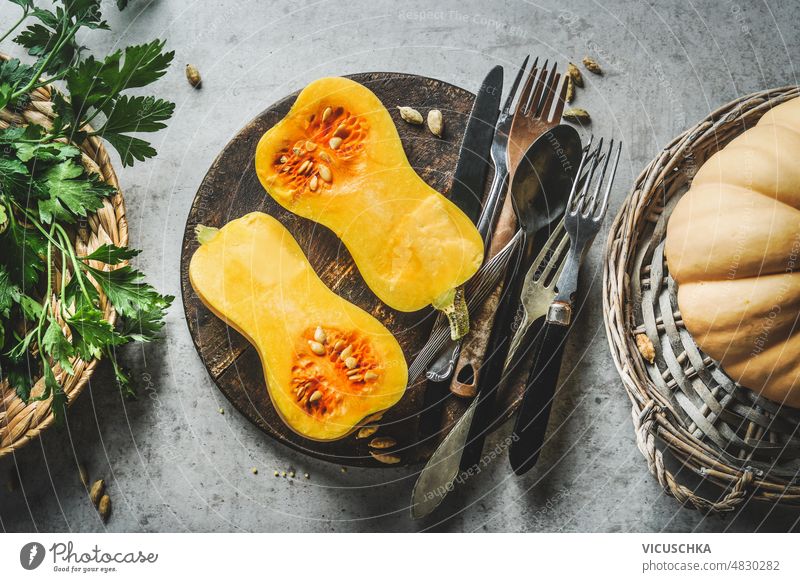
(652, 415)
(21, 423)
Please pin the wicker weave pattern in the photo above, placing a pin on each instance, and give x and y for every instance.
(684, 402)
(21, 422)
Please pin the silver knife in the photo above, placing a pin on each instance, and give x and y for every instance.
(469, 180)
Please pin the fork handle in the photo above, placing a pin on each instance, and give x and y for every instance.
(540, 390)
(494, 200)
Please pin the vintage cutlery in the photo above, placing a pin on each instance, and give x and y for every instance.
(585, 212)
(470, 177)
(539, 192)
(441, 470)
(539, 109)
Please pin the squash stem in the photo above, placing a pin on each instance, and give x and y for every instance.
(205, 234)
(453, 305)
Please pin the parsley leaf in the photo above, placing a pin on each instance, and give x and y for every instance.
(57, 346)
(111, 254)
(70, 189)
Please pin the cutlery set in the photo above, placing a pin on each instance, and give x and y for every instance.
(545, 184)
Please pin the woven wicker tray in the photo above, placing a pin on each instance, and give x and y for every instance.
(21, 422)
(684, 403)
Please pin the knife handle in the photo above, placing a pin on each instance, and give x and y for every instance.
(540, 389)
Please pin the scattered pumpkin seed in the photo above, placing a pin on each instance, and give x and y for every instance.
(351, 362)
(221, 411)
(325, 172)
(83, 474)
(291, 474)
(382, 443)
(575, 74)
(646, 347)
(325, 157)
(337, 347)
(570, 90)
(326, 114)
(193, 76)
(335, 142)
(435, 122)
(316, 347)
(307, 476)
(411, 115)
(276, 473)
(283, 474)
(592, 66)
(344, 469)
(370, 376)
(303, 167)
(366, 431)
(96, 492)
(254, 470)
(577, 115)
(385, 458)
(315, 396)
(319, 333)
(104, 508)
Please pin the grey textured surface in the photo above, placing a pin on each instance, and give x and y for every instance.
(174, 463)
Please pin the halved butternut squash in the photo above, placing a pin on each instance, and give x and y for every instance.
(337, 159)
(328, 364)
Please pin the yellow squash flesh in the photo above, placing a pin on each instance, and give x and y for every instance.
(733, 246)
(253, 275)
(337, 159)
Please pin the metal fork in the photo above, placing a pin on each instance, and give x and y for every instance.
(522, 120)
(586, 209)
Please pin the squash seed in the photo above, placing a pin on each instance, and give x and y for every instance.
(96, 492)
(325, 157)
(303, 167)
(326, 114)
(356, 378)
(315, 396)
(296, 151)
(570, 90)
(366, 431)
(351, 362)
(370, 376)
(575, 74)
(313, 183)
(325, 173)
(193, 76)
(385, 458)
(335, 142)
(104, 507)
(435, 122)
(577, 115)
(382, 443)
(337, 347)
(284, 159)
(310, 146)
(346, 353)
(319, 333)
(592, 66)
(411, 115)
(341, 131)
(316, 347)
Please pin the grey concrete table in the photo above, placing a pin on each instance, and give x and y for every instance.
(174, 463)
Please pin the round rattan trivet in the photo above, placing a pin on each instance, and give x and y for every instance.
(21, 422)
(683, 402)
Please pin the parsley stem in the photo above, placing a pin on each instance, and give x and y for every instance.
(16, 24)
(66, 37)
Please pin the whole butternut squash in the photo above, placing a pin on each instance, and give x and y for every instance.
(337, 159)
(733, 246)
(328, 364)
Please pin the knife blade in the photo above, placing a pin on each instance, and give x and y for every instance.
(469, 180)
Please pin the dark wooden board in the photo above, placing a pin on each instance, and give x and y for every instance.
(231, 189)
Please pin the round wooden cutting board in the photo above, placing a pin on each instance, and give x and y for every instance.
(231, 189)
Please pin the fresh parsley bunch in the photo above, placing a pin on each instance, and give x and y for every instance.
(50, 309)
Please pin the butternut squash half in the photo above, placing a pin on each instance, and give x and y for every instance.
(733, 246)
(337, 159)
(328, 364)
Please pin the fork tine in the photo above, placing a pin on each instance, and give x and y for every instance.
(585, 157)
(604, 204)
(555, 261)
(586, 199)
(550, 92)
(558, 231)
(537, 92)
(562, 99)
(592, 208)
(514, 86)
(526, 90)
